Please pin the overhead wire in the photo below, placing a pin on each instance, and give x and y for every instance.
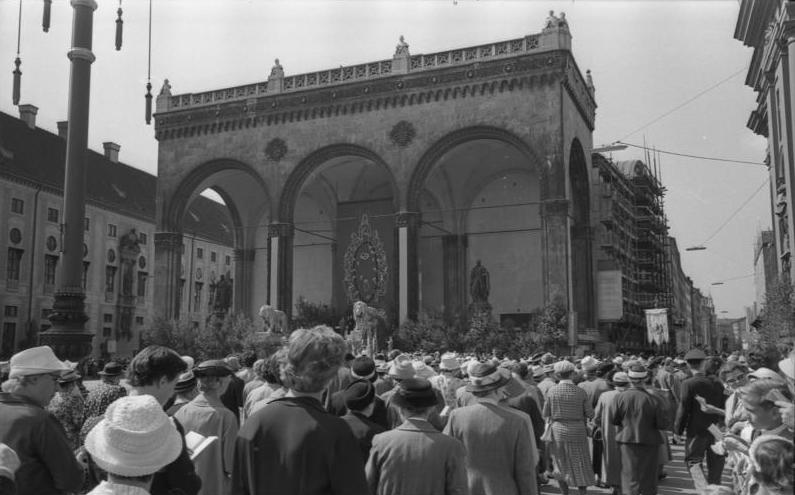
(685, 103)
(734, 214)
(687, 155)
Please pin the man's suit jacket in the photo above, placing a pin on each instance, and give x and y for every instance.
(689, 416)
(364, 430)
(379, 416)
(639, 417)
(416, 458)
(500, 456)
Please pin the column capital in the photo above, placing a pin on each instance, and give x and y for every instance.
(281, 229)
(85, 3)
(408, 219)
(555, 207)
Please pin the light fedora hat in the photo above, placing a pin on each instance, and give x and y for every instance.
(135, 438)
(36, 361)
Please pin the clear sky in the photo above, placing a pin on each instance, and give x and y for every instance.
(647, 58)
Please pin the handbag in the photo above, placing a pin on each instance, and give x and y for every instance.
(547, 435)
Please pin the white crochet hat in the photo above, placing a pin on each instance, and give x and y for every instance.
(9, 461)
(135, 438)
(36, 361)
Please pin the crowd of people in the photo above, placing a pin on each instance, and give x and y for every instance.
(314, 419)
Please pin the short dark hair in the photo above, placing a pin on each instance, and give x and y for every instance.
(152, 364)
(248, 358)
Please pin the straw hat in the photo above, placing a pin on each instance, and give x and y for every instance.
(401, 369)
(449, 362)
(422, 370)
(69, 376)
(589, 363)
(36, 361)
(563, 367)
(135, 438)
(485, 377)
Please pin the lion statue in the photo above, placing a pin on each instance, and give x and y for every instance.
(275, 320)
(370, 331)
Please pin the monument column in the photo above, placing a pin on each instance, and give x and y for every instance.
(168, 269)
(407, 223)
(454, 256)
(68, 336)
(280, 269)
(244, 265)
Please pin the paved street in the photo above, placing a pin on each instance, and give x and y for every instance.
(678, 481)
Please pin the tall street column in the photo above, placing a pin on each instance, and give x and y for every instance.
(789, 164)
(454, 256)
(280, 273)
(168, 267)
(244, 266)
(68, 336)
(407, 223)
(557, 276)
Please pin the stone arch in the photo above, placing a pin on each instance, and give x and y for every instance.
(439, 148)
(299, 175)
(181, 196)
(582, 277)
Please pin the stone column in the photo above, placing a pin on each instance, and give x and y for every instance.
(168, 273)
(280, 270)
(244, 265)
(407, 224)
(789, 163)
(68, 336)
(557, 277)
(454, 254)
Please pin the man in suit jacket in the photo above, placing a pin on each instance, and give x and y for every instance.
(501, 451)
(415, 457)
(692, 420)
(639, 419)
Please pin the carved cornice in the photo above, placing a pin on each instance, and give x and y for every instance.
(580, 94)
(461, 81)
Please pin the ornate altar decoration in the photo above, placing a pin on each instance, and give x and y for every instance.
(366, 269)
(370, 333)
(479, 288)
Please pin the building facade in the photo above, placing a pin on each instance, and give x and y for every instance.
(768, 26)
(388, 181)
(118, 261)
(681, 320)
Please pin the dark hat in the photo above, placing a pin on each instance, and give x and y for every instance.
(213, 367)
(363, 368)
(112, 369)
(186, 382)
(695, 355)
(349, 356)
(415, 392)
(69, 376)
(604, 368)
(358, 395)
(484, 377)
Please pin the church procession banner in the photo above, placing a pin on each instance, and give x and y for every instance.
(657, 325)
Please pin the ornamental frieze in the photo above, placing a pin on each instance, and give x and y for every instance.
(452, 82)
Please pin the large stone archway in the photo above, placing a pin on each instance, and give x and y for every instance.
(246, 197)
(403, 120)
(321, 208)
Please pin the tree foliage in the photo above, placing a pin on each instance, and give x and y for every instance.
(215, 339)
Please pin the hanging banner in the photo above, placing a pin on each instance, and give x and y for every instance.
(657, 325)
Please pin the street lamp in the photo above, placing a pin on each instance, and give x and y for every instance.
(717, 283)
(696, 248)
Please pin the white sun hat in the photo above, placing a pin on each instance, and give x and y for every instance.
(36, 361)
(135, 438)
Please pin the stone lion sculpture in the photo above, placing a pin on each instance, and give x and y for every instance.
(370, 331)
(275, 320)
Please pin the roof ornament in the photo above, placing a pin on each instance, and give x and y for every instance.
(589, 81)
(402, 48)
(166, 89)
(277, 70)
(554, 22)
